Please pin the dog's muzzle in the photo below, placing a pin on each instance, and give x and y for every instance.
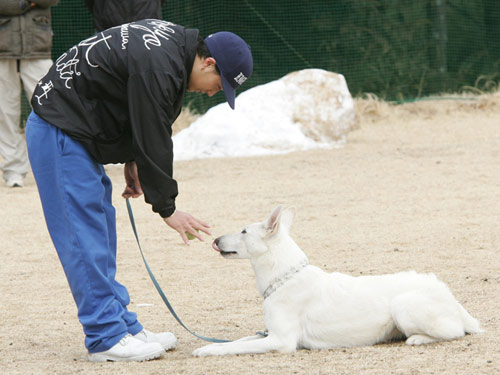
(216, 247)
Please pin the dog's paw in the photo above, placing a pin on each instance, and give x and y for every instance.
(206, 351)
(420, 340)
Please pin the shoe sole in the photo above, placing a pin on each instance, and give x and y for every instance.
(170, 346)
(98, 357)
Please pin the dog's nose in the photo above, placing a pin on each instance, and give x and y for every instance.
(215, 245)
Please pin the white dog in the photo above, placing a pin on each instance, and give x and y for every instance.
(305, 307)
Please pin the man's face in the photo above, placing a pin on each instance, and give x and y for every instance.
(204, 78)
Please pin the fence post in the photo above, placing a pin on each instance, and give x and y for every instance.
(441, 35)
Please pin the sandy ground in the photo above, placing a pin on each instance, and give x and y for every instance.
(416, 186)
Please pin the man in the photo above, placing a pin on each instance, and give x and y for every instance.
(112, 99)
(25, 44)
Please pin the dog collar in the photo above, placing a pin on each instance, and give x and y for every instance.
(279, 281)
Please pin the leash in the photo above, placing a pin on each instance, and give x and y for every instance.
(157, 286)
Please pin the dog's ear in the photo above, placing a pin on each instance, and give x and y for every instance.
(287, 216)
(273, 221)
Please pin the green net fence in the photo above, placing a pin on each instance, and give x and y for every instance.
(396, 49)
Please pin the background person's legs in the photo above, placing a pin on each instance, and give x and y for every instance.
(32, 71)
(12, 145)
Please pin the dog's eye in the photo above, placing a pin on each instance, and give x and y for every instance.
(244, 231)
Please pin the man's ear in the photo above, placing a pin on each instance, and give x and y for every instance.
(209, 61)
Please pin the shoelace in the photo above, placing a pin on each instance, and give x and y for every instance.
(124, 339)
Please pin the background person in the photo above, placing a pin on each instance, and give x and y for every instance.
(113, 99)
(110, 13)
(25, 45)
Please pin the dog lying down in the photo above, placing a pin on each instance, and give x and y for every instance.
(305, 307)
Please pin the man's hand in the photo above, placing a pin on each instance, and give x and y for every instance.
(133, 188)
(183, 222)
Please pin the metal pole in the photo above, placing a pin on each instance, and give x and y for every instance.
(441, 36)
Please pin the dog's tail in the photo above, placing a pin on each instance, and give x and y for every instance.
(471, 325)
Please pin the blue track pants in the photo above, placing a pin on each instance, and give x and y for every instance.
(76, 198)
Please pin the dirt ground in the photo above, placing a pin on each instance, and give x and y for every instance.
(416, 186)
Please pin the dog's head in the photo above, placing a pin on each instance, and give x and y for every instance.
(254, 239)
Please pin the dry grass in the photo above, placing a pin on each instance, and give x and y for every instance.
(370, 109)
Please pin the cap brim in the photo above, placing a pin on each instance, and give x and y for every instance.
(228, 91)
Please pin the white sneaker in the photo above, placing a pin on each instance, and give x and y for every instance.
(15, 181)
(166, 339)
(129, 349)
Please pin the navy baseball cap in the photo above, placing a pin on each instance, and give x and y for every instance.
(234, 61)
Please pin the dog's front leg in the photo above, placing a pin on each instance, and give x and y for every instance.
(248, 345)
(247, 338)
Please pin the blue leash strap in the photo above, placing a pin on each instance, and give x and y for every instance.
(157, 286)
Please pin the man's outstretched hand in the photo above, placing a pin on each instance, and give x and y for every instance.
(182, 222)
(185, 223)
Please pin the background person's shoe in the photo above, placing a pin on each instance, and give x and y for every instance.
(166, 339)
(129, 349)
(15, 181)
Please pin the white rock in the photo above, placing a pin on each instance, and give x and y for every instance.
(306, 109)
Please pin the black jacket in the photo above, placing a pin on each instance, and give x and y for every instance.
(110, 13)
(118, 93)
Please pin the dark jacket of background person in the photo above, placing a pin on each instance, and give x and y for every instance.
(110, 13)
(25, 29)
